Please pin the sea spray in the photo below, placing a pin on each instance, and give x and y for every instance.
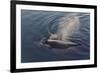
(66, 27)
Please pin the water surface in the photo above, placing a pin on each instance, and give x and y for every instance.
(35, 25)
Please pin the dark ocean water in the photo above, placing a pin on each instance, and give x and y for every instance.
(35, 26)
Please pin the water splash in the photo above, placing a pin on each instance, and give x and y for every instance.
(66, 27)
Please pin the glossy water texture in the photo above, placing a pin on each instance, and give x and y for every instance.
(71, 27)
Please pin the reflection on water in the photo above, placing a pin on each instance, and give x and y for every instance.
(40, 26)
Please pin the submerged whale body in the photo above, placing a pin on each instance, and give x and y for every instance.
(66, 28)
